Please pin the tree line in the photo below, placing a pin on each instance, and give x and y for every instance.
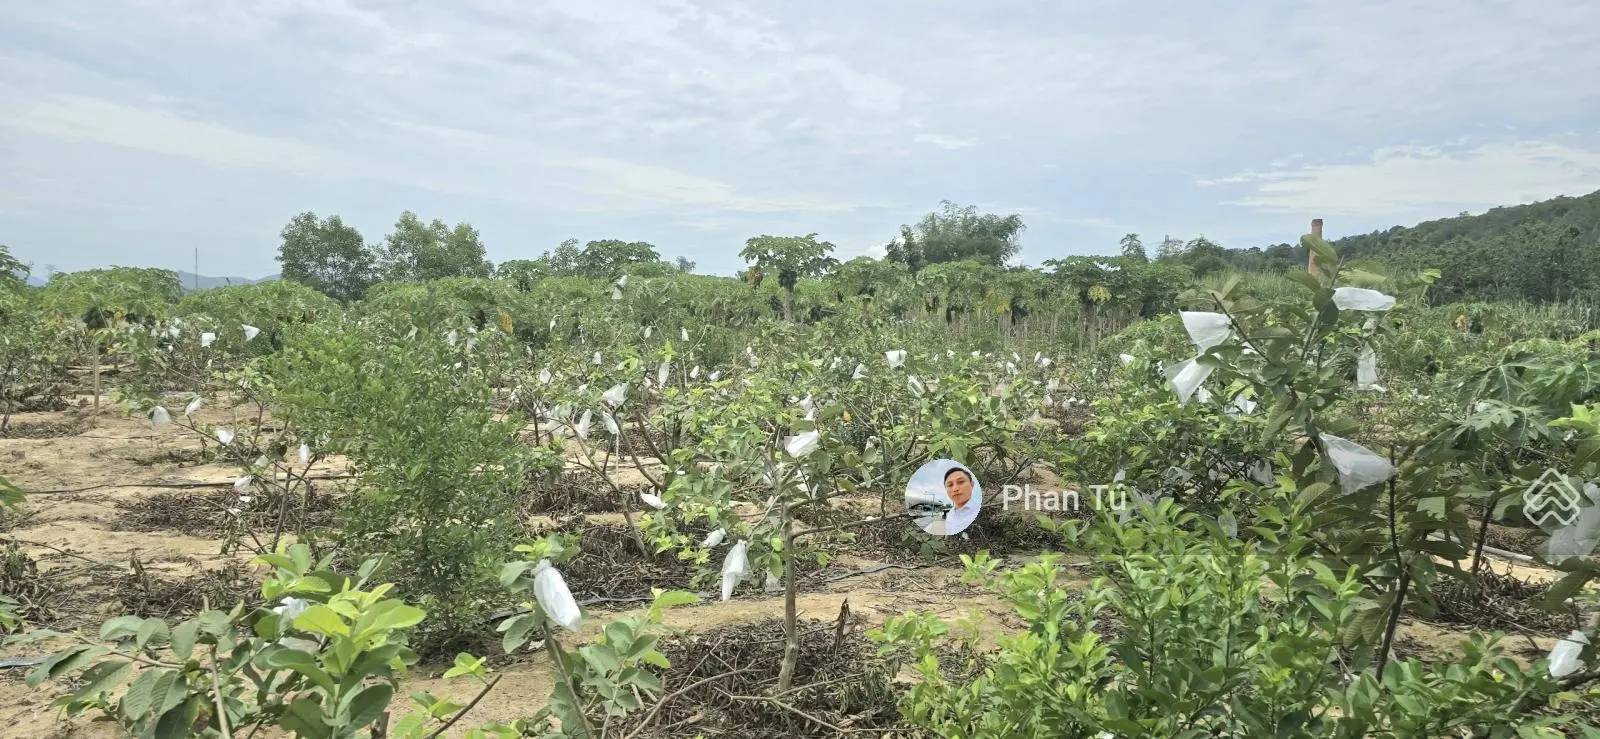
(1542, 252)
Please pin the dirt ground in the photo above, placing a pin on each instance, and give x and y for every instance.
(121, 516)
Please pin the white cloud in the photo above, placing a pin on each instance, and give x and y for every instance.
(943, 142)
(1400, 180)
(706, 121)
(80, 118)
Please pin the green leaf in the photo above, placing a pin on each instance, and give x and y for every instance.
(304, 718)
(173, 724)
(517, 631)
(601, 657)
(120, 628)
(39, 674)
(364, 707)
(102, 678)
(183, 638)
(392, 615)
(1312, 492)
(149, 631)
(136, 703)
(619, 637)
(320, 619)
(670, 598)
(465, 664)
(170, 691)
(1555, 599)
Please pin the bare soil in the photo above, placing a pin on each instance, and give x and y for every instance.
(122, 518)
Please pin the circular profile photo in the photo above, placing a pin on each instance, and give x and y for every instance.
(944, 497)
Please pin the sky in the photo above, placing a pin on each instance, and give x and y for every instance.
(134, 132)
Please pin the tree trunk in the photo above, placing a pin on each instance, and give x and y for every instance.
(791, 629)
(95, 352)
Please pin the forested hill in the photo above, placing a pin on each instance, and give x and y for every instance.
(1544, 251)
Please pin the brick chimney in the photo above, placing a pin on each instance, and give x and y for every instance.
(1311, 259)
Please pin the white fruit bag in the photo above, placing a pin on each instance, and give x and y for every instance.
(1360, 298)
(550, 589)
(1206, 330)
(1564, 657)
(1358, 466)
(1186, 377)
(734, 569)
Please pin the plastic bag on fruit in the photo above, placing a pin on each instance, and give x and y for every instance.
(1367, 370)
(1360, 298)
(1564, 656)
(555, 599)
(1186, 377)
(1241, 406)
(1206, 329)
(803, 444)
(735, 568)
(1358, 466)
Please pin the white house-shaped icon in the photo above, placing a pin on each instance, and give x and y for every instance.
(1551, 502)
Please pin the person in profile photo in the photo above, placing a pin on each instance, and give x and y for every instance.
(958, 486)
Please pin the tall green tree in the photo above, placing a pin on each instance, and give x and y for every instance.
(609, 258)
(417, 251)
(564, 260)
(1133, 248)
(792, 258)
(1204, 256)
(524, 273)
(13, 273)
(957, 233)
(1169, 249)
(326, 255)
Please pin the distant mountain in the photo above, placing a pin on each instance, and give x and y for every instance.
(191, 281)
(1544, 251)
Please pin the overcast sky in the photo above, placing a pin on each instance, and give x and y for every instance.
(134, 131)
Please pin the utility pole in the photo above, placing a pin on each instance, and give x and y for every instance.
(195, 275)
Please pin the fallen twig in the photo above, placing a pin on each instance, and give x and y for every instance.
(645, 722)
(171, 485)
